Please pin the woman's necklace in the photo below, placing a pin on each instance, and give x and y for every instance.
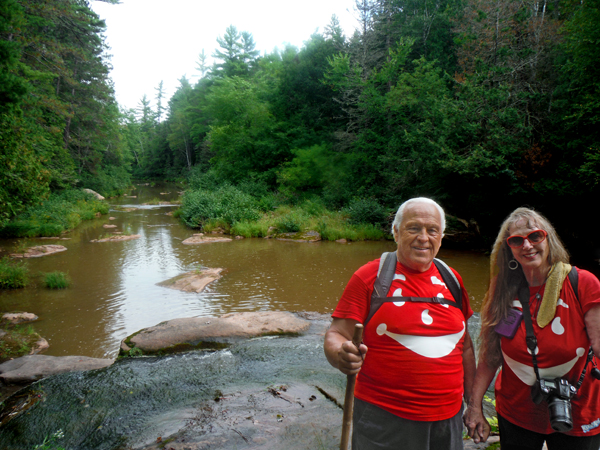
(538, 297)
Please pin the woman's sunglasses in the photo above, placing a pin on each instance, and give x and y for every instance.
(535, 237)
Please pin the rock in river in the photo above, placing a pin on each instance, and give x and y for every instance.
(194, 281)
(124, 237)
(34, 367)
(200, 239)
(39, 251)
(213, 332)
(94, 193)
(18, 317)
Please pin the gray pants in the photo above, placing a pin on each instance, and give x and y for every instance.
(377, 429)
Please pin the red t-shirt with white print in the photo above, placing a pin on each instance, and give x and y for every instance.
(414, 367)
(563, 346)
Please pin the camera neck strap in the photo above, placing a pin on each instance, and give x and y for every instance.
(531, 340)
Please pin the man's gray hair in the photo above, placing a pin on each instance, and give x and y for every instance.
(400, 213)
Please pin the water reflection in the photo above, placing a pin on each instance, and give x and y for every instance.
(114, 290)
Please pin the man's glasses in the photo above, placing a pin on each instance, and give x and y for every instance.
(535, 237)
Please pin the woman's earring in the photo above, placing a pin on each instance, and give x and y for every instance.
(513, 264)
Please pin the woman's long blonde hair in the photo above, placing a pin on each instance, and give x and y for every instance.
(504, 282)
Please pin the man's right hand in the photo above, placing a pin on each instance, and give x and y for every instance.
(350, 358)
(339, 349)
(477, 425)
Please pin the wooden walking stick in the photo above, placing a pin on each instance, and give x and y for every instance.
(349, 399)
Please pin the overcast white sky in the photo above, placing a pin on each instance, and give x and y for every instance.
(154, 40)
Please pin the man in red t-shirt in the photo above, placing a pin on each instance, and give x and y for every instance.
(420, 361)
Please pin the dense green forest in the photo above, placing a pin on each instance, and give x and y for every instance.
(484, 105)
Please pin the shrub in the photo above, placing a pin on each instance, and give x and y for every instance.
(250, 229)
(56, 280)
(368, 232)
(363, 232)
(19, 228)
(314, 207)
(50, 229)
(269, 202)
(227, 203)
(365, 210)
(289, 223)
(12, 275)
(213, 224)
(329, 232)
(110, 181)
(256, 188)
(199, 180)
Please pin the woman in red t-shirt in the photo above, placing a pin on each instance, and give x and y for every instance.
(532, 283)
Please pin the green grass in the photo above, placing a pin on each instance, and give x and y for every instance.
(227, 204)
(56, 280)
(17, 341)
(329, 224)
(13, 275)
(59, 213)
(250, 229)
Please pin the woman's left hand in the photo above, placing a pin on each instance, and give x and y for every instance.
(476, 423)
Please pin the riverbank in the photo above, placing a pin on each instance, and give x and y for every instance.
(61, 212)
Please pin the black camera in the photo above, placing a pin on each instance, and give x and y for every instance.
(558, 394)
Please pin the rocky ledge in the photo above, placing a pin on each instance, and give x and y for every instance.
(116, 238)
(211, 332)
(35, 367)
(175, 335)
(200, 238)
(39, 251)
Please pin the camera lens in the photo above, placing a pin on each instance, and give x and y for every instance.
(560, 414)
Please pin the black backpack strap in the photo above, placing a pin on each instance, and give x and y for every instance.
(574, 279)
(385, 277)
(383, 282)
(450, 280)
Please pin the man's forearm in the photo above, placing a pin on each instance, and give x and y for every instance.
(469, 367)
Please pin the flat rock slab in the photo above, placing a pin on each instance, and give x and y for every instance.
(18, 317)
(291, 417)
(108, 226)
(117, 238)
(194, 281)
(306, 236)
(205, 240)
(39, 251)
(205, 332)
(35, 367)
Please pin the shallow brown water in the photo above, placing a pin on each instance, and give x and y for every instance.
(114, 292)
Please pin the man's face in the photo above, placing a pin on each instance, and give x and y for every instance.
(419, 236)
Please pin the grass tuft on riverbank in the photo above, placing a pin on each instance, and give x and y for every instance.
(13, 275)
(59, 213)
(56, 280)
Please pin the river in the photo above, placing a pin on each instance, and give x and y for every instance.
(114, 293)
